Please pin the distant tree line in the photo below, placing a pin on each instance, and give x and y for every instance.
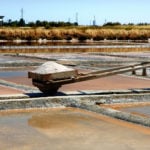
(49, 24)
(38, 23)
(119, 24)
(112, 24)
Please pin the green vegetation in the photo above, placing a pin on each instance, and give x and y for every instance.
(38, 23)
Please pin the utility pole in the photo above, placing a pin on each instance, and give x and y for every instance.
(22, 22)
(22, 13)
(94, 21)
(77, 18)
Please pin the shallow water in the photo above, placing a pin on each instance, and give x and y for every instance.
(9, 59)
(12, 73)
(48, 43)
(143, 110)
(65, 129)
(73, 46)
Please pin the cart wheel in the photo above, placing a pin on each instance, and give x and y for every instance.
(48, 91)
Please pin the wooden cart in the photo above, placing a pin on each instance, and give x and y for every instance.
(50, 81)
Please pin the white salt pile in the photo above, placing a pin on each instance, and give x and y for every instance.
(51, 67)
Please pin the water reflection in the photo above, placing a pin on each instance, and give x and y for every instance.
(36, 43)
(65, 129)
(141, 110)
(13, 73)
(57, 120)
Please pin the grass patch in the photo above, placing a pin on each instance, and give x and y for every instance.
(80, 33)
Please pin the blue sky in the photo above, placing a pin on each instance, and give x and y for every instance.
(125, 11)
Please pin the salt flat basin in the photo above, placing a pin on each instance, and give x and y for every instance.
(140, 110)
(74, 46)
(10, 59)
(68, 128)
(13, 73)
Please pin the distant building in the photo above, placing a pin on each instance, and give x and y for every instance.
(1, 20)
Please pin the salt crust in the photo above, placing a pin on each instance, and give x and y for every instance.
(51, 67)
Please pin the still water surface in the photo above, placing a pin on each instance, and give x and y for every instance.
(65, 129)
(12, 73)
(143, 110)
